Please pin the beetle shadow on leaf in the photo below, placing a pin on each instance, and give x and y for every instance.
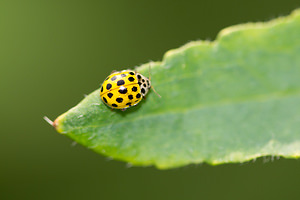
(131, 109)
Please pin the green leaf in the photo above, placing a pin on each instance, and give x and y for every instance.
(231, 100)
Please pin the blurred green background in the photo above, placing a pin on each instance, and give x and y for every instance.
(54, 52)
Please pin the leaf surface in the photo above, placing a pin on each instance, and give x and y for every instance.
(230, 100)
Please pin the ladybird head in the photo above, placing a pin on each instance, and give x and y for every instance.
(144, 83)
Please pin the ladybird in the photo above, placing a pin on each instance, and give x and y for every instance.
(123, 89)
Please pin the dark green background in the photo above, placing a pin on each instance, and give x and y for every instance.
(54, 52)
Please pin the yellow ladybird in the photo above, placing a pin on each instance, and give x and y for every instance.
(123, 89)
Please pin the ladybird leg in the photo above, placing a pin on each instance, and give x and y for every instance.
(123, 109)
(113, 71)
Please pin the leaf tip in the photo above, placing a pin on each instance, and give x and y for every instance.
(54, 123)
(57, 124)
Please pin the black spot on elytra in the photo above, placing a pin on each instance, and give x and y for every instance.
(143, 80)
(110, 95)
(143, 91)
(140, 83)
(113, 78)
(128, 104)
(134, 89)
(131, 73)
(123, 90)
(108, 86)
(144, 85)
(131, 79)
(119, 100)
(123, 75)
(138, 95)
(114, 105)
(120, 82)
(101, 88)
(139, 76)
(104, 99)
(130, 97)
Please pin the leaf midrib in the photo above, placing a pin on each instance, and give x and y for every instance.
(259, 98)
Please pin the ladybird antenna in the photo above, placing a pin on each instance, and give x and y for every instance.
(155, 91)
(150, 80)
(149, 71)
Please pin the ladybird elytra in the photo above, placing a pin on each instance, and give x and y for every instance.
(123, 89)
